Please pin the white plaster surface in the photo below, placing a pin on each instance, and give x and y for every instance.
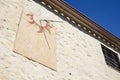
(79, 56)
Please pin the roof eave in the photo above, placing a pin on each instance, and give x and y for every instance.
(81, 19)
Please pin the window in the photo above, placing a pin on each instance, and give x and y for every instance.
(111, 58)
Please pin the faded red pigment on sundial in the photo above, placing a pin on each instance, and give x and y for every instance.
(41, 28)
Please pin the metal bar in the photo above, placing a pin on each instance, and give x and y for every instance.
(51, 20)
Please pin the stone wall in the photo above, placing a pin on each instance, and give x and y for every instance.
(79, 56)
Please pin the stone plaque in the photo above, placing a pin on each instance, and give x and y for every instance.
(35, 41)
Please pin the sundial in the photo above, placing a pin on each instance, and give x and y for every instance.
(36, 41)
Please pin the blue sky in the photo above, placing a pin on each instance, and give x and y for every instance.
(104, 12)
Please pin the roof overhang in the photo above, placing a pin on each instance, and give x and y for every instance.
(81, 21)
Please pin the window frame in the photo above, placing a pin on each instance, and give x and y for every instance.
(111, 58)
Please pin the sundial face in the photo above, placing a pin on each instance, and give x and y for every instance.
(36, 41)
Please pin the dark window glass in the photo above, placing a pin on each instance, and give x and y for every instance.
(111, 58)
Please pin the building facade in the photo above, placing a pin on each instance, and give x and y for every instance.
(82, 50)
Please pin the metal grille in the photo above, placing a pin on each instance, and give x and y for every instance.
(111, 58)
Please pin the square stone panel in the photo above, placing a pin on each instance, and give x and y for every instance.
(39, 47)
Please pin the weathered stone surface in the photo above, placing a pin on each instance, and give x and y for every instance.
(37, 46)
(79, 56)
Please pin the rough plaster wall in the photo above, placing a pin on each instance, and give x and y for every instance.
(79, 56)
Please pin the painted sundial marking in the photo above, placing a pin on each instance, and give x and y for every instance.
(41, 28)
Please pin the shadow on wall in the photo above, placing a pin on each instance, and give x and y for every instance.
(38, 1)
